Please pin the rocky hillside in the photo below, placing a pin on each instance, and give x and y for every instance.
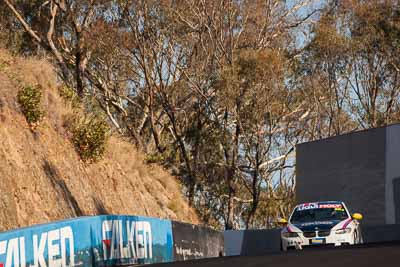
(42, 178)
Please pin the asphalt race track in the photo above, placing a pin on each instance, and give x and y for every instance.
(384, 254)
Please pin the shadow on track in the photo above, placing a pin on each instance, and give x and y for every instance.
(378, 254)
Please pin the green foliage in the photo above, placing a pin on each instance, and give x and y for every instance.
(12, 35)
(154, 158)
(29, 99)
(69, 96)
(90, 138)
(4, 65)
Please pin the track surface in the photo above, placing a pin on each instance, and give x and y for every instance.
(385, 254)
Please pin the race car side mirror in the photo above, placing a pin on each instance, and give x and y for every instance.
(357, 216)
(282, 221)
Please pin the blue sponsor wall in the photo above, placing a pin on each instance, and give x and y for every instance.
(89, 241)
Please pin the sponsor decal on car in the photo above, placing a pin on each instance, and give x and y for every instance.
(316, 205)
(315, 223)
(347, 223)
(307, 206)
(330, 206)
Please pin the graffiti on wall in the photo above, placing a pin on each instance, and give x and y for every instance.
(196, 242)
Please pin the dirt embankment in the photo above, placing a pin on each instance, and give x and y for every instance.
(42, 178)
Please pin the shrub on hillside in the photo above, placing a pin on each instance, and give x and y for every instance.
(154, 158)
(29, 99)
(90, 138)
(69, 96)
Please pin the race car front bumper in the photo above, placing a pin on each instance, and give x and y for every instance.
(301, 241)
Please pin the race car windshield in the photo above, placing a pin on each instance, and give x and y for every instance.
(318, 214)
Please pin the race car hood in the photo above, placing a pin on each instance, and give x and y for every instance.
(316, 226)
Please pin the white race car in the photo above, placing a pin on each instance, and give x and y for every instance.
(326, 223)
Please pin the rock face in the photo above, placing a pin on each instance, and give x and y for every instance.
(42, 178)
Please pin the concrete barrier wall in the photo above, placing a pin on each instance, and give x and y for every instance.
(349, 168)
(195, 242)
(251, 242)
(381, 233)
(362, 169)
(233, 242)
(107, 241)
(257, 242)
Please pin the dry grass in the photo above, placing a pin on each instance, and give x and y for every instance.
(43, 179)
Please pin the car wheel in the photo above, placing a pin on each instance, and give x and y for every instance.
(356, 239)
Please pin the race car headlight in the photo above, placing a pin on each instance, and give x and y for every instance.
(290, 234)
(343, 231)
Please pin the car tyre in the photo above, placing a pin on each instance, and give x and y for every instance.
(356, 238)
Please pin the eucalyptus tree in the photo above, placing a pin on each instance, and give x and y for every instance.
(202, 87)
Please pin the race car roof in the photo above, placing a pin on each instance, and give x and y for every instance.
(321, 203)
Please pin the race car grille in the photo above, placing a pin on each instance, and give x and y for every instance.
(324, 233)
(309, 234)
